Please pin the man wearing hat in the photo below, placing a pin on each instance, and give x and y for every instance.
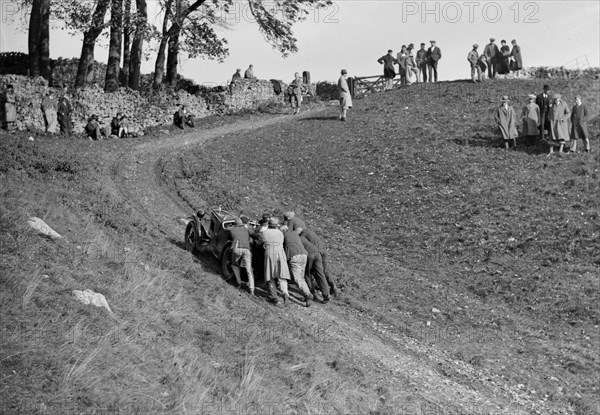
(473, 58)
(544, 101)
(531, 120)
(276, 267)
(491, 52)
(389, 73)
(241, 253)
(579, 130)
(507, 122)
(345, 96)
(434, 54)
(559, 115)
(421, 60)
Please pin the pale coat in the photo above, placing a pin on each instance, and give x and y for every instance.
(345, 97)
(559, 115)
(531, 119)
(507, 122)
(276, 266)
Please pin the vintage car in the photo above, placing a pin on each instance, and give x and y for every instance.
(212, 229)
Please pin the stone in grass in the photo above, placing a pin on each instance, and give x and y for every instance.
(43, 228)
(90, 297)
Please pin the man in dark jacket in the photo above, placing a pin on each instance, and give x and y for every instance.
(579, 130)
(314, 239)
(64, 115)
(92, 128)
(434, 54)
(241, 253)
(297, 257)
(491, 52)
(544, 101)
(315, 270)
(389, 73)
(421, 60)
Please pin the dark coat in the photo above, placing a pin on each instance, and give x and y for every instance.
(388, 62)
(516, 55)
(579, 117)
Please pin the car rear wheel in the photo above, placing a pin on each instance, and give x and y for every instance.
(190, 238)
(226, 262)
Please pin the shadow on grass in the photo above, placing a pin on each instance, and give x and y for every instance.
(494, 142)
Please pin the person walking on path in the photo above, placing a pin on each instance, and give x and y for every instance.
(345, 96)
(241, 254)
(434, 54)
(579, 129)
(507, 122)
(389, 73)
(531, 120)
(559, 115)
(275, 262)
(295, 93)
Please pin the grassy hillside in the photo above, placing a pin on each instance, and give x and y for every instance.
(423, 210)
(469, 274)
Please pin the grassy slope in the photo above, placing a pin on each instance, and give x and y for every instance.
(422, 211)
(405, 211)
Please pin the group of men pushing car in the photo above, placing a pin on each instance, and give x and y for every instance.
(292, 252)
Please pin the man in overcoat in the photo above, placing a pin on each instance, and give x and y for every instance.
(544, 101)
(579, 129)
(559, 115)
(276, 267)
(491, 51)
(507, 122)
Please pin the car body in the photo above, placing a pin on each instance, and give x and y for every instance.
(212, 229)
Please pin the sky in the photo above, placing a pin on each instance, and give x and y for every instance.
(353, 34)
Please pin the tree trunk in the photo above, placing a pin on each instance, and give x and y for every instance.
(172, 58)
(85, 69)
(114, 48)
(44, 48)
(159, 67)
(126, 43)
(137, 45)
(35, 27)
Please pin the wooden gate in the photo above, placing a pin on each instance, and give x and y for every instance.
(369, 84)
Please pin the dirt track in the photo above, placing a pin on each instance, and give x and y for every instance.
(425, 380)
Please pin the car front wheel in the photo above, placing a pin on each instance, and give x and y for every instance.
(226, 262)
(190, 238)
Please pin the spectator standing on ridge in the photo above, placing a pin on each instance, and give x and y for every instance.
(559, 116)
(249, 73)
(482, 66)
(507, 122)
(531, 120)
(503, 57)
(517, 60)
(389, 73)
(434, 54)
(297, 258)
(491, 52)
(473, 58)
(241, 253)
(345, 97)
(579, 129)
(9, 108)
(64, 114)
(421, 61)
(49, 108)
(544, 101)
(401, 58)
(276, 267)
(411, 65)
(295, 90)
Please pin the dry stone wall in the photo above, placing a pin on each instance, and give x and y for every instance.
(143, 110)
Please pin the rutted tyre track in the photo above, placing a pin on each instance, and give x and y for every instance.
(137, 177)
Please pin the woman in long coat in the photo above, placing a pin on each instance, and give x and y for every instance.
(531, 120)
(559, 115)
(515, 54)
(506, 118)
(276, 267)
(503, 56)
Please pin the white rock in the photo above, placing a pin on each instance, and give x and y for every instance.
(43, 228)
(90, 297)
